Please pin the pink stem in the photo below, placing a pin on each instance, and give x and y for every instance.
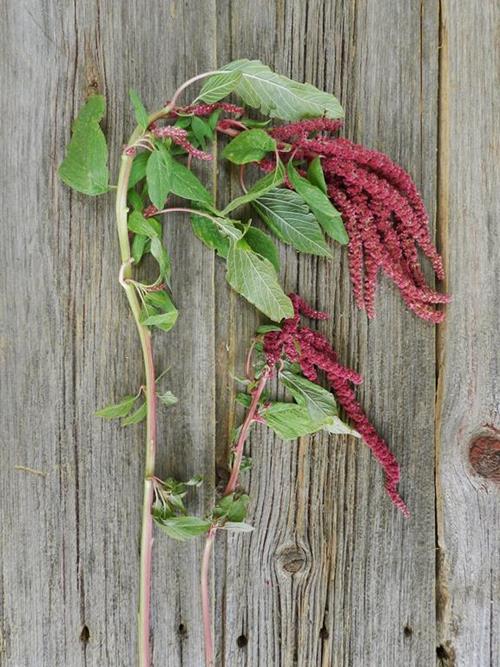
(238, 450)
(205, 599)
(230, 488)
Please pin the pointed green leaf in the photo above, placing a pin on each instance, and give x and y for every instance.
(120, 409)
(201, 130)
(232, 507)
(138, 416)
(138, 224)
(219, 86)
(263, 245)
(290, 421)
(256, 280)
(249, 146)
(326, 214)
(183, 527)
(319, 402)
(161, 255)
(159, 177)
(138, 171)
(85, 166)
(269, 182)
(315, 174)
(141, 115)
(279, 97)
(184, 183)
(207, 231)
(139, 247)
(288, 216)
(337, 426)
(237, 527)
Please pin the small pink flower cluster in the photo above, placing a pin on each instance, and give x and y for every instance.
(180, 137)
(383, 212)
(206, 109)
(314, 353)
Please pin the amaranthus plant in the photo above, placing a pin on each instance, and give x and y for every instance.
(308, 175)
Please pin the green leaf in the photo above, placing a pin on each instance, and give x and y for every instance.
(263, 245)
(262, 186)
(183, 527)
(243, 399)
(290, 421)
(141, 115)
(85, 166)
(167, 398)
(201, 130)
(138, 224)
(288, 216)
(319, 402)
(120, 409)
(237, 527)
(326, 214)
(138, 171)
(138, 416)
(219, 86)
(315, 174)
(159, 311)
(159, 177)
(134, 200)
(249, 146)
(206, 230)
(185, 184)
(266, 328)
(161, 255)
(232, 507)
(139, 247)
(227, 228)
(337, 426)
(256, 280)
(279, 97)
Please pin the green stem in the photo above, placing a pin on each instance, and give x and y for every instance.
(144, 611)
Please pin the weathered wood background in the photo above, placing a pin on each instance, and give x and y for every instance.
(332, 574)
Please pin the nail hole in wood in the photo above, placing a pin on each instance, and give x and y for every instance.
(182, 630)
(323, 633)
(408, 631)
(242, 641)
(84, 635)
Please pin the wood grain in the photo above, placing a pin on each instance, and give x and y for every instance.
(331, 575)
(468, 399)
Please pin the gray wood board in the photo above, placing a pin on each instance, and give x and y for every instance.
(332, 575)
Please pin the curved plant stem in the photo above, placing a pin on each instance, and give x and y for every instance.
(144, 612)
(230, 488)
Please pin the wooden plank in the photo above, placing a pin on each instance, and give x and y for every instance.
(310, 585)
(468, 516)
(70, 537)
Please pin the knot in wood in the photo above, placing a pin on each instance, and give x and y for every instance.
(292, 559)
(484, 457)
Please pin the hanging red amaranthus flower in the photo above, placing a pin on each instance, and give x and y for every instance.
(382, 210)
(314, 353)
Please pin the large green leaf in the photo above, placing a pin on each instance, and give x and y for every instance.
(262, 186)
(263, 245)
(255, 278)
(326, 214)
(219, 86)
(319, 402)
(290, 421)
(208, 232)
(85, 166)
(288, 216)
(183, 527)
(159, 176)
(280, 97)
(184, 183)
(316, 175)
(249, 146)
